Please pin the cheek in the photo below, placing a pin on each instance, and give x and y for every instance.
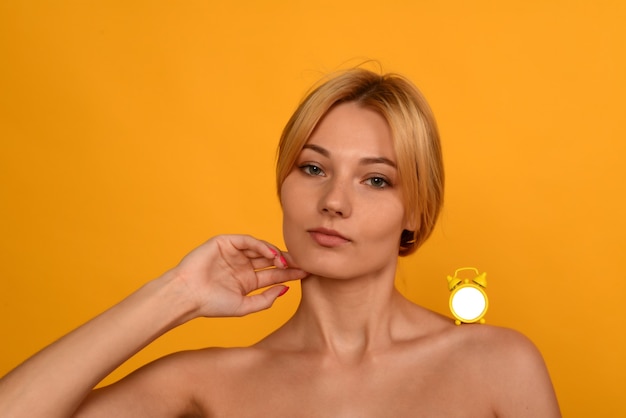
(382, 229)
(289, 197)
(293, 206)
(384, 219)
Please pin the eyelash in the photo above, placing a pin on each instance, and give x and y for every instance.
(385, 184)
(306, 169)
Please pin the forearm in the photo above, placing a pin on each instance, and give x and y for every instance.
(214, 280)
(55, 381)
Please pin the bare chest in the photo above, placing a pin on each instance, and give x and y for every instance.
(378, 390)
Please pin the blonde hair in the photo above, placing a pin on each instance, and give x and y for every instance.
(414, 133)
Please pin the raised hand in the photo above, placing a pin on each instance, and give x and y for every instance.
(220, 274)
(215, 279)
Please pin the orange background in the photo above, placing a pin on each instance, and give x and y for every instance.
(130, 132)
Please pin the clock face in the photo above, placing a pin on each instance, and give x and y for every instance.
(468, 303)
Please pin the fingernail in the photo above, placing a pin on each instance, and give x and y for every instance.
(282, 260)
(273, 252)
(282, 292)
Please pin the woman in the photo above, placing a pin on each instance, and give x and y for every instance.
(360, 180)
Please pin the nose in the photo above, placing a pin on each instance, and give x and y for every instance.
(336, 199)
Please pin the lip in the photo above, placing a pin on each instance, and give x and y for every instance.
(327, 237)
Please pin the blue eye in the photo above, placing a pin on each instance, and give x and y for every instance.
(312, 170)
(377, 182)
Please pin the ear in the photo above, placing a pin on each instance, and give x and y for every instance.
(411, 223)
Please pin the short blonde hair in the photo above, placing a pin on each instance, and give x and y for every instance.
(414, 133)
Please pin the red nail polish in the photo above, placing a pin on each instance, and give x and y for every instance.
(273, 252)
(282, 292)
(282, 260)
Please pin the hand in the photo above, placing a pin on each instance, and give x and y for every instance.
(221, 273)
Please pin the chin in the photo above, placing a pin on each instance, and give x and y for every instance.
(339, 262)
(332, 265)
(318, 262)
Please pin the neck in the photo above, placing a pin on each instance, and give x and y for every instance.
(349, 317)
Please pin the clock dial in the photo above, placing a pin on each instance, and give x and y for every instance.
(468, 303)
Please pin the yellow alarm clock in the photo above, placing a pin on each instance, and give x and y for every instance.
(468, 300)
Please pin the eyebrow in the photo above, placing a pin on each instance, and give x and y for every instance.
(362, 161)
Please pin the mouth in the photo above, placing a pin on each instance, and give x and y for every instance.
(328, 238)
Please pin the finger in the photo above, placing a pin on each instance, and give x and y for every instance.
(259, 261)
(254, 248)
(277, 259)
(274, 276)
(254, 251)
(261, 301)
(262, 263)
(247, 243)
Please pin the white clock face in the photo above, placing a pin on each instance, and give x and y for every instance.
(468, 303)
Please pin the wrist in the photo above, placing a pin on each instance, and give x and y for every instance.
(175, 298)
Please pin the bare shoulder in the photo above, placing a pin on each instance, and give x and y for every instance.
(204, 371)
(502, 349)
(495, 343)
(511, 370)
(175, 385)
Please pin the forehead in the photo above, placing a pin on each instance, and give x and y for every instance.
(352, 128)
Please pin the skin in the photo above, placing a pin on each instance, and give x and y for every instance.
(354, 348)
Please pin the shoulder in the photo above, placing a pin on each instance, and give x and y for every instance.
(194, 365)
(487, 345)
(511, 370)
(493, 348)
(501, 367)
(496, 350)
(183, 383)
(500, 349)
(494, 340)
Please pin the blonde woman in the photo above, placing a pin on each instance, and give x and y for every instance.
(360, 180)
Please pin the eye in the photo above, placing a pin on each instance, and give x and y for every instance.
(377, 182)
(312, 170)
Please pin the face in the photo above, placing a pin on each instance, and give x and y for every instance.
(342, 200)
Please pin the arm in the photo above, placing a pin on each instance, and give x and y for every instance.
(212, 281)
(521, 383)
